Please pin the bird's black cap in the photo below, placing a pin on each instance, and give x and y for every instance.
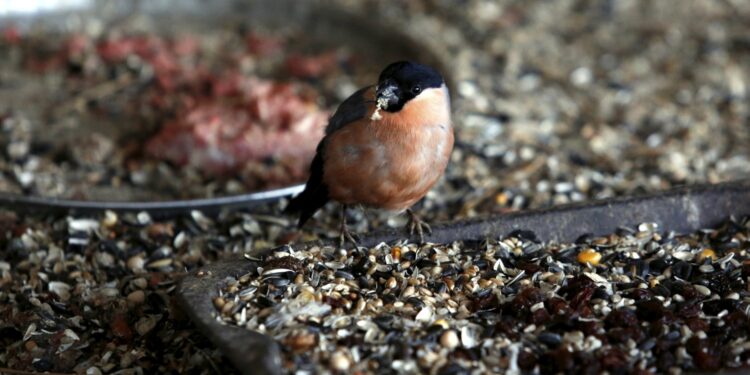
(403, 80)
(405, 72)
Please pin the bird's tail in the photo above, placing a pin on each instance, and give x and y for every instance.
(307, 203)
(313, 197)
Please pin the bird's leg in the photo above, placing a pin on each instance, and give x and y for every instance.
(416, 224)
(345, 234)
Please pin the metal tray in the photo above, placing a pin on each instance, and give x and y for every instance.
(681, 210)
(329, 26)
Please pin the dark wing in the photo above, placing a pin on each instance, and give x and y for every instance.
(350, 110)
(315, 194)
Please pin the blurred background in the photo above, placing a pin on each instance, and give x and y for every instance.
(554, 102)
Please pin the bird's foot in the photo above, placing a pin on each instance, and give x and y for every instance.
(417, 225)
(346, 235)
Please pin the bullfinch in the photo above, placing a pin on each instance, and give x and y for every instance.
(384, 147)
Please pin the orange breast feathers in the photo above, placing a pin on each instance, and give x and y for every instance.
(393, 162)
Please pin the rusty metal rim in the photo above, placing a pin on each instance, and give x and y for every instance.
(682, 210)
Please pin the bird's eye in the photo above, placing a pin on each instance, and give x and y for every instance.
(416, 90)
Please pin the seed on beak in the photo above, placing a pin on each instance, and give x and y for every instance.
(382, 104)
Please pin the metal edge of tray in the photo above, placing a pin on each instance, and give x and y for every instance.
(681, 210)
(157, 209)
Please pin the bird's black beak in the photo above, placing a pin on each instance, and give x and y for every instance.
(388, 94)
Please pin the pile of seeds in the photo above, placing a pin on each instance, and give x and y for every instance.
(556, 101)
(96, 295)
(637, 301)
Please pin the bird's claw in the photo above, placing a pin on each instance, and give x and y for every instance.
(417, 225)
(346, 235)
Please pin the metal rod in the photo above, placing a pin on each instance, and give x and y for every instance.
(159, 209)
